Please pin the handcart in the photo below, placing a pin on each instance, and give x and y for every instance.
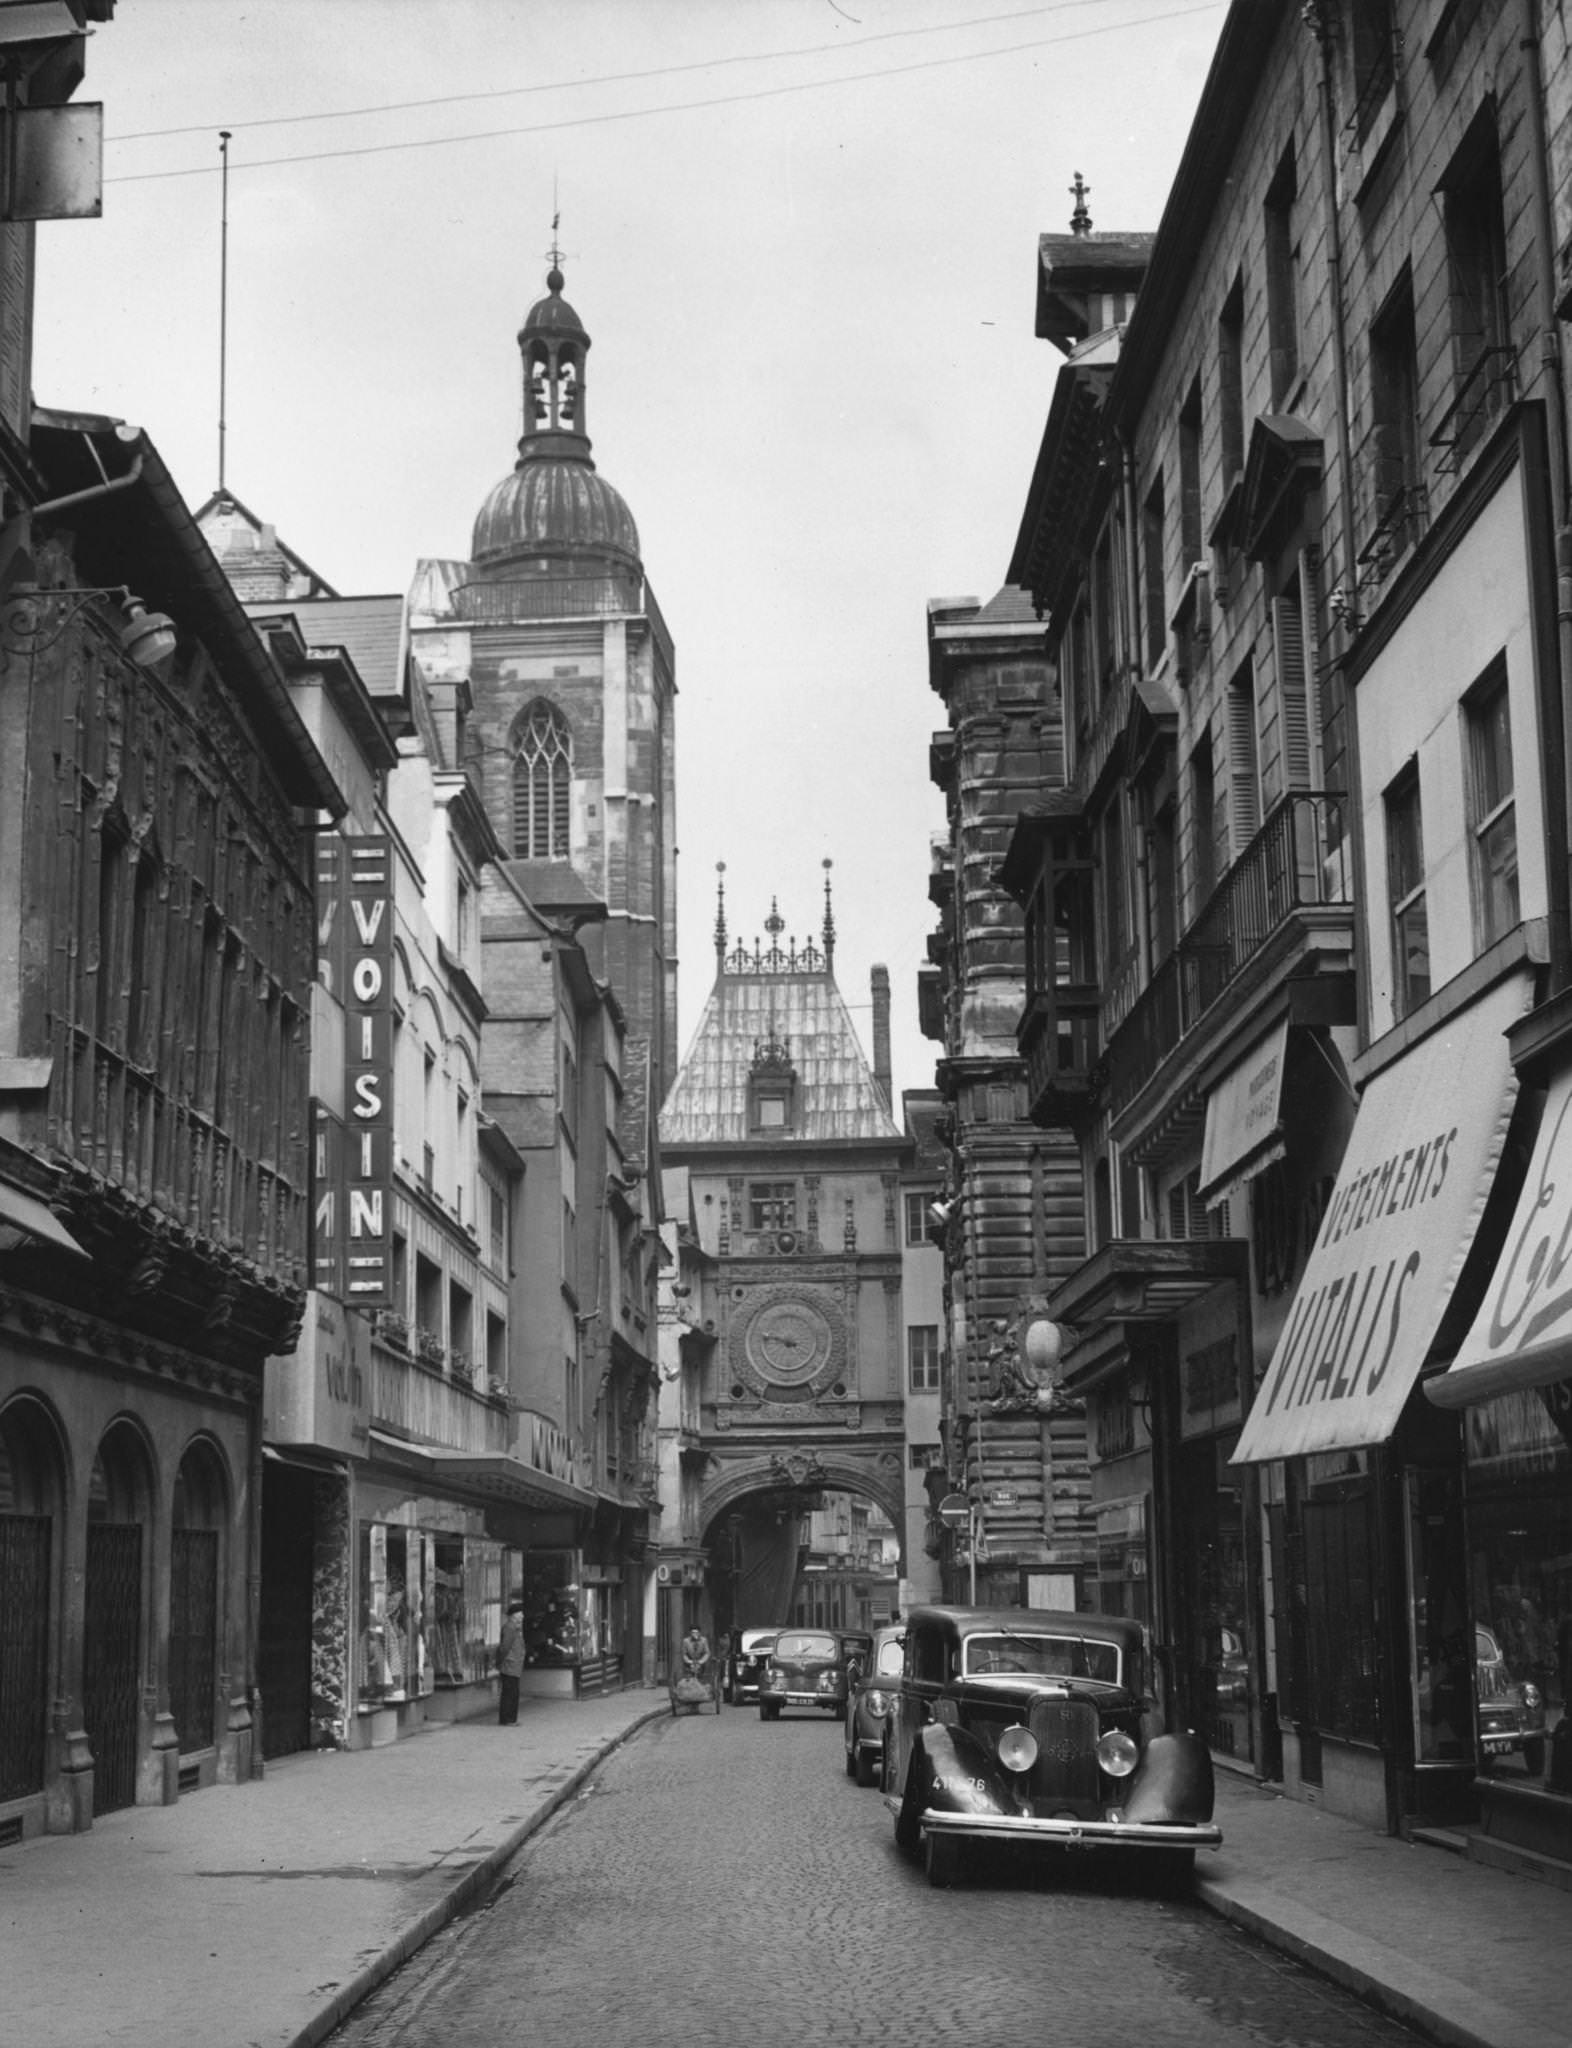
(690, 1695)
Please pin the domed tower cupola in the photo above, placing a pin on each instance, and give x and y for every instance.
(554, 346)
(554, 516)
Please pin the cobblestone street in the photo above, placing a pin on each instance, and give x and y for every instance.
(724, 1882)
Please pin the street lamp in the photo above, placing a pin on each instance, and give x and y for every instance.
(145, 638)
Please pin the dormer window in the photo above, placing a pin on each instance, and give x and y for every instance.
(772, 1087)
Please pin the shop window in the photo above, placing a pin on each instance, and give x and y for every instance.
(1405, 872)
(1520, 1574)
(198, 1514)
(1337, 1518)
(1492, 809)
(922, 1358)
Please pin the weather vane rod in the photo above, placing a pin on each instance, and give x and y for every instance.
(223, 295)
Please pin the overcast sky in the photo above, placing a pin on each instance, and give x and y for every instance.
(802, 235)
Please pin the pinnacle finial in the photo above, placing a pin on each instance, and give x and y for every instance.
(720, 911)
(1080, 220)
(829, 918)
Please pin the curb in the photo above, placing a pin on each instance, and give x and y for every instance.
(474, 1881)
(1379, 1979)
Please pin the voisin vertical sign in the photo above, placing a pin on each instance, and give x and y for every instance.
(353, 1196)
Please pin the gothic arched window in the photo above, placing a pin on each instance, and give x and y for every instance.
(542, 777)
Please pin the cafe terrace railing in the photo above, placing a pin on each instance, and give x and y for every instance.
(1300, 859)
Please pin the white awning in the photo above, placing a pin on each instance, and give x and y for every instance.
(1410, 1192)
(1522, 1336)
(1243, 1132)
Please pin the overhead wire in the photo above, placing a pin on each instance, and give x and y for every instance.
(676, 107)
(502, 92)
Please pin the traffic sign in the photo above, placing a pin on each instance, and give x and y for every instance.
(955, 1511)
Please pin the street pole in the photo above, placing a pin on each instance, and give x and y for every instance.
(972, 1550)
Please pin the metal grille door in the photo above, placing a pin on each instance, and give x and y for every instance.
(111, 1659)
(24, 1652)
(193, 1622)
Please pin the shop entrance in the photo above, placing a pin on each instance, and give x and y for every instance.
(193, 1597)
(29, 1493)
(284, 1634)
(111, 1659)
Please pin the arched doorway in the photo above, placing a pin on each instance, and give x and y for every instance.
(199, 1512)
(30, 1499)
(112, 1632)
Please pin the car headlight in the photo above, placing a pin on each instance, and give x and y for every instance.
(1117, 1754)
(826, 1681)
(878, 1704)
(774, 1681)
(1017, 1749)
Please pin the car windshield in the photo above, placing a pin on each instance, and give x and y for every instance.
(890, 1655)
(800, 1648)
(1042, 1656)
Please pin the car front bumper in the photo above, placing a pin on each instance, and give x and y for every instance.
(1074, 1834)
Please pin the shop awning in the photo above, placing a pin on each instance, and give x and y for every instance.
(498, 1475)
(1522, 1336)
(1409, 1195)
(25, 1215)
(1244, 1131)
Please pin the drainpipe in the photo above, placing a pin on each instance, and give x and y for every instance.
(1556, 695)
(1353, 836)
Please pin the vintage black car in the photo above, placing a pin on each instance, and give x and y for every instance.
(1511, 1710)
(1017, 1725)
(745, 1660)
(806, 1668)
(869, 1703)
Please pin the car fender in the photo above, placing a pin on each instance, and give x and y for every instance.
(957, 1775)
(1172, 1782)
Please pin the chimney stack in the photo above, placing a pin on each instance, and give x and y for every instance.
(881, 1031)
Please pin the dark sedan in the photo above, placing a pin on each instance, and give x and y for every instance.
(1036, 1728)
(806, 1668)
(873, 1694)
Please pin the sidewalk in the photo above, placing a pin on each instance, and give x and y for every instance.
(257, 1916)
(1468, 1955)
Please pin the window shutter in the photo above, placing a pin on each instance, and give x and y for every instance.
(1243, 793)
(1292, 696)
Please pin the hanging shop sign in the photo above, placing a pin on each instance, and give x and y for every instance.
(1410, 1192)
(352, 1155)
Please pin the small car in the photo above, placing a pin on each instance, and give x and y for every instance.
(745, 1663)
(1511, 1711)
(1034, 1727)
(868, 1704)
(806, 1668)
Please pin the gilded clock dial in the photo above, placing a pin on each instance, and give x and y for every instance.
(788, 1342)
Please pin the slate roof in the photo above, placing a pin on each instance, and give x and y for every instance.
(836, 1095)
(369, 629)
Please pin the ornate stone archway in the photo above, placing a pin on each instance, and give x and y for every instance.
(875, 1474)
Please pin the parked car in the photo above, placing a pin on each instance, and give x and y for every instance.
(856, 1647)
(1038, 1728)
(745, 1659)
(870, 1699)
(806, 1668)
(1511, 1711)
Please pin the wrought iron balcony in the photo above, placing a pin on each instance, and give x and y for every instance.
(1300, 860)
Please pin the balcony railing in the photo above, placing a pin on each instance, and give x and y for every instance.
(1299, 860)
(428, 1408)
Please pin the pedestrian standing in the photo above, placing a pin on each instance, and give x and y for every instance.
(510, 1662)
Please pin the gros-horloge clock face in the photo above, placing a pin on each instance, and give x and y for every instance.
(788, 1342)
